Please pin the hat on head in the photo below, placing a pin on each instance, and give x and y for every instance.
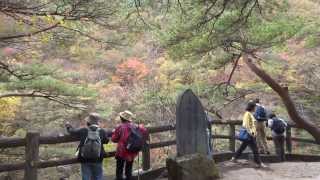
(127, 115)
(93, 118)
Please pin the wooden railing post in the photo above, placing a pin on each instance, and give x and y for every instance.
(31, 155)
(288, 140)
(232, 140)
(146, 156)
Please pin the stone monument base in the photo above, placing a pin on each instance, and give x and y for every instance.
(192, 167)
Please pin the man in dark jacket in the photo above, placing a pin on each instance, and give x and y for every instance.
(92, 139)
(278, 127)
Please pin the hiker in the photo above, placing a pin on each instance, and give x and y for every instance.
(261, 117)
(248, 134)
(278, 127)
(90, 151)
(130, 138)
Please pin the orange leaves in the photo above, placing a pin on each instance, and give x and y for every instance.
(130, 72)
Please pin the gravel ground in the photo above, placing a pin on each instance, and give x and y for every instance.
(244, 170)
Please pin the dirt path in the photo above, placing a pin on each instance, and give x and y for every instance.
(276, 171)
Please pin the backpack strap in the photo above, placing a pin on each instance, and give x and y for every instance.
(82, 140)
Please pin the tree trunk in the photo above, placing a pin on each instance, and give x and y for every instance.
(286, 99)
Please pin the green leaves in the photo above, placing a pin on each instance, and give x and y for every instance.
(263, 33)
(226, 25)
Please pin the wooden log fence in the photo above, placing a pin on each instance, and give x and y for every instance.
(33, 141)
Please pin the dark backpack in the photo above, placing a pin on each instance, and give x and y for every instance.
(91, 148)
(260, 113)
(135, 140)
(278, 126)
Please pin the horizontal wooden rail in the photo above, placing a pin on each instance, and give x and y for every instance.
(158, 129)
(46, 164)
(17, 142)
(227, 122)
(303, 140)
(162, 144)
(53, 163)
(12, 167)
(219, 136)
(12, 142)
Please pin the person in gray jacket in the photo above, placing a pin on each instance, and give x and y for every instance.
(278, 127)
(90, 150)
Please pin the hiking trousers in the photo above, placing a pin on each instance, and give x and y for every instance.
(253, 146)
(122, 164)
(278, 141)
(261, 137)
(91, 171)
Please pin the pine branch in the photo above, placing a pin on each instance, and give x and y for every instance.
(29, 34)
(48, 96)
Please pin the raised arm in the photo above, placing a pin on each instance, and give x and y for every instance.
(75, 131)
(106, 136)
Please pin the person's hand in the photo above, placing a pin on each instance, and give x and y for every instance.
(68, 125)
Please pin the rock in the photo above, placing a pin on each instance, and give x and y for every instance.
(192, 167)
(64, 171)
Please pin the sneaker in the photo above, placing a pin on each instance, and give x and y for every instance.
(261, 165)
(234, 160)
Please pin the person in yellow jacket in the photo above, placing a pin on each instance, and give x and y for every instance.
(249, 123)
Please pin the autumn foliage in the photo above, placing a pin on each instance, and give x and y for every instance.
(8, 107)
(130, 72)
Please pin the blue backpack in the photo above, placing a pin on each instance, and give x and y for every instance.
(278, 126)
(260, 114)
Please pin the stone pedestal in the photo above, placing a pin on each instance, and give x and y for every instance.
(192, 167)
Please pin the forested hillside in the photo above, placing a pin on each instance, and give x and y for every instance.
(60, 60)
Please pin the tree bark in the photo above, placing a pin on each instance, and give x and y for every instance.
(286, 99)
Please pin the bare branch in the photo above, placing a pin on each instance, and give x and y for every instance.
(137, 4)
(235, 65)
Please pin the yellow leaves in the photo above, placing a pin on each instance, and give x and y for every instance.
(45, 37)
(8, 107)
(171, 74)
(62, 22)
(50, 19)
